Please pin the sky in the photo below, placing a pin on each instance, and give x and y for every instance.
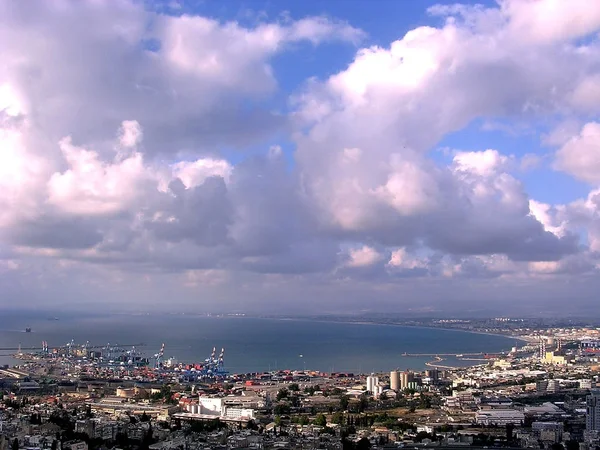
(289, 157)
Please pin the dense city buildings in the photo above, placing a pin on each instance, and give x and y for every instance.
(80, 397)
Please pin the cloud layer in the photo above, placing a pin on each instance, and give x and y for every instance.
(117, 180)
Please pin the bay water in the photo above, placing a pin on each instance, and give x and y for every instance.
(252, 344)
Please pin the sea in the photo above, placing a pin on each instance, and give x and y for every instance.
(254, 344)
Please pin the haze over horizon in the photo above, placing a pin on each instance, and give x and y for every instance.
(301, 157)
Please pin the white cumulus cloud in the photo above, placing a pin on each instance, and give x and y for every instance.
(580, 155)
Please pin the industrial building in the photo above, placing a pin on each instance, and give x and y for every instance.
(406, 378)
(394, 380)
(372, 382)
(115, 405)
(216, 407)
(499, 417)
(548, 431)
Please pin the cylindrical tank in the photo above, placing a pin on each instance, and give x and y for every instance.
(394, 380)
(405, 378)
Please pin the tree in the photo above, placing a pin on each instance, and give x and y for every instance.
(344, 401)
(281, 409)
(363, 403)
(312, 389)
(165, 393)
(320, 420)
(425, 402)
(294, 387)
(337, 418)
(295, 401)
(328, 430)
(147, 439)
(363, 444)
(422, 435)
(121, 439)
(509, 431)
(283, 393)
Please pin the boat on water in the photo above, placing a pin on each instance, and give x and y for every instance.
(28, 330)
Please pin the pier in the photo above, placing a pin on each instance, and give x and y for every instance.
(8, 349)
(458, 355)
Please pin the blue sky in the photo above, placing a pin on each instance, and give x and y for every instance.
(383, 21)
(300, 155)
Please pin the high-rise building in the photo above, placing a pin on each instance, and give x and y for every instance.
(433, 374)
(592, 415)
(394, 380)
(553, 386)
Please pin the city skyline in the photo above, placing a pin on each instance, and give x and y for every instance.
(301, 157)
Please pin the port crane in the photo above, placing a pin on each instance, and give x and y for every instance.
(107, 352)
(221, 360)
(133, 356)
(70, 346)
(213, 366)
(158, 357)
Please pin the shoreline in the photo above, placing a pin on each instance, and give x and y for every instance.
(367, 322)
(322, 319)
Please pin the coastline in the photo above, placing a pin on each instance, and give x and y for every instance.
(329, 319)
(374, 322)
